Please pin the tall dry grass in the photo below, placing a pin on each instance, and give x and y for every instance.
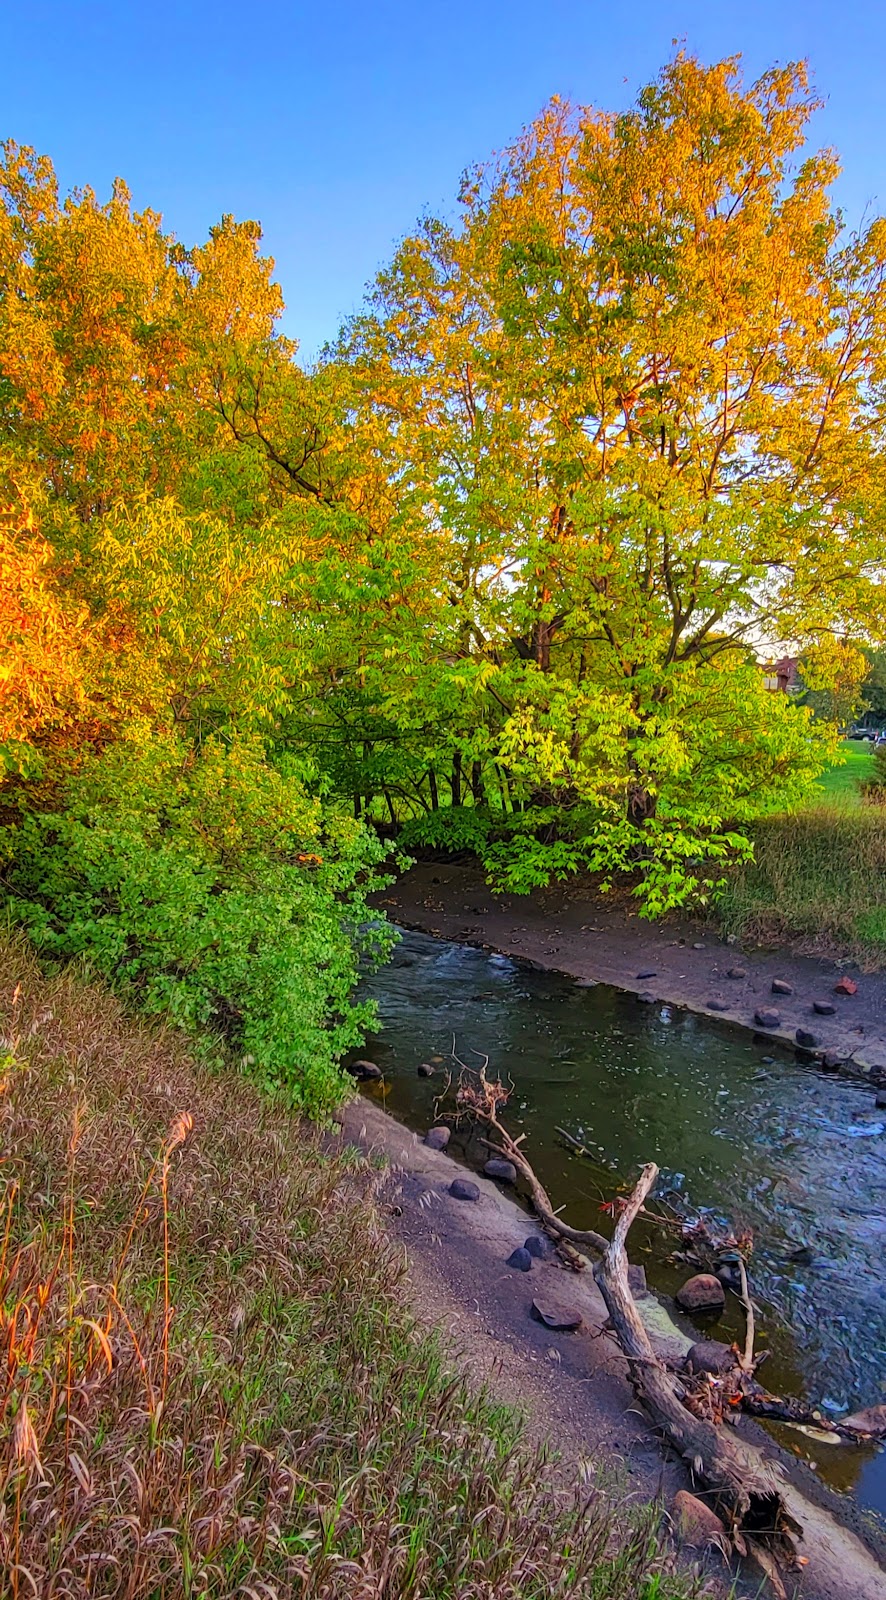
(210, 1386)
(819, 879)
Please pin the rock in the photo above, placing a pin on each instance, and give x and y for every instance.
(647, 997)
(520, 1259)
(699, 944)
(696, 1524)
(438, 1138)
(765, 1018)
(704, 1292)
(504, 1171)
(558, 1318)
(737, 972)
(463, 1189)
(728, 1274)
(832, 1060)
(648, 972)
(870, 1423)
(364, 1070)
(807, 1040)
(717, 1005)
(540, 1246)
(709, 1355)
(881, 1100)
(637, 1281)
(586, 983)
(425, 1070)
(779, 986)
(824, 1008)
(846, 986)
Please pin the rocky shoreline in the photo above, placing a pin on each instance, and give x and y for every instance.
(823, 1008)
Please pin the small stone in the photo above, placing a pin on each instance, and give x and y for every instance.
(438, 1138)
(425, 1070)
(807, 1040)
(647, 997)
(697, 1525)
(463, 1189)
(520, 1259)
(717, 1005)
(846, 986)
(765, 1018)
(648, 972)
(824, 1008)
(704, 1292)
(737, 972)
(698, 945)
(709, 1355)
(557, 1318)
(504, 1171)
(832, 1060)
(540, 1246)
(365, 1070)
(779, 986)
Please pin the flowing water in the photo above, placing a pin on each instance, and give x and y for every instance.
(769, 1144)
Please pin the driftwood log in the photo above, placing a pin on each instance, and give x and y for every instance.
(742, 1488)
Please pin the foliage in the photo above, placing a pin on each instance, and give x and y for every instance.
(211, 888)
(201, 1393)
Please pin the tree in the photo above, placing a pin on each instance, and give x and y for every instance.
(635, 395)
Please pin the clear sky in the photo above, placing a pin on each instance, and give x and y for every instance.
(336, 124)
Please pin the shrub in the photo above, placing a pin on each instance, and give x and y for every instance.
(213, 889)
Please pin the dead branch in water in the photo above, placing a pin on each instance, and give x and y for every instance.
(744, 1488)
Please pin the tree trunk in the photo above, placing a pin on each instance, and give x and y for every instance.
(477, 789)
(432, 785)
(455, 779)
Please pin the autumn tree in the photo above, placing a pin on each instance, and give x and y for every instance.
(636, 393)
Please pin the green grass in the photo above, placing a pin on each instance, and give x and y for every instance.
(212, 1386)
(841, 783)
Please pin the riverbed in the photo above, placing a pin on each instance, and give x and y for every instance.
(740, 1130)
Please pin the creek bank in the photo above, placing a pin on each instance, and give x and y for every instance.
(573, 1385)
(567, 929)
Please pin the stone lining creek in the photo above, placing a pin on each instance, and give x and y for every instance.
(765, 1142)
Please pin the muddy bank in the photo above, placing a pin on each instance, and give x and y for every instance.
(573, 1387)
(682, 962)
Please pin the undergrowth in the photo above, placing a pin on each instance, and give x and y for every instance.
(818, 878)
(211, 1386)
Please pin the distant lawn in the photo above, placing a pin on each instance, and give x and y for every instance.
(841, 784)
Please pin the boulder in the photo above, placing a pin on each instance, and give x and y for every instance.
(710, 1355)
(824, 1008)
(520, 1259)
(364, 1070)
(846, 986)
(438, 1138)
(425, 1070)
(806, 1040)
(716, 1005)
(704, 1292)
(765, 1018)
(696, 1524)
(463, 1189)
(780, 986)
(504, 1171)
(560, 1319)
(637, 1281)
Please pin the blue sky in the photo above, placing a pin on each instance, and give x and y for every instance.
(336, 125)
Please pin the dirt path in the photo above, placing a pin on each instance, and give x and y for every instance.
(572, 1387)
(684, 963)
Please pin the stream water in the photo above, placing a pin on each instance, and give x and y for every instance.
(765, 1142)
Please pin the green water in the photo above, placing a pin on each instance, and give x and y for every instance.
(797, 1156)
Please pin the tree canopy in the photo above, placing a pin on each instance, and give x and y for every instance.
(498, 571)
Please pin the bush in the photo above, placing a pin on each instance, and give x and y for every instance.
(213, 889)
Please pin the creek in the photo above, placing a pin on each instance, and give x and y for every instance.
(762, 1141)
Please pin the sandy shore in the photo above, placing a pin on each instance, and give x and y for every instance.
(682, 962)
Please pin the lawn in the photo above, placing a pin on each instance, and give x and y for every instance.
(840, 784)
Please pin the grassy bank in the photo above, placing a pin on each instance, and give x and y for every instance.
(211, 1385)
